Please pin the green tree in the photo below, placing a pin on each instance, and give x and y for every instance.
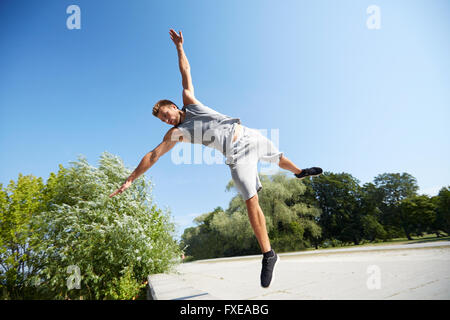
(19, 203)
(203, 241)
(393, 188)
(235, 233)
(370, 199)
(442, 203)
(417, 215)
(338, 197)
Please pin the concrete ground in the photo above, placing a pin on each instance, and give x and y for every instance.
(405, 271)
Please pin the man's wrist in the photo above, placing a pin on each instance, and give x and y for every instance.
(179, 47)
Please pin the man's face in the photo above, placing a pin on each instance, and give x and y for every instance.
(169, 115)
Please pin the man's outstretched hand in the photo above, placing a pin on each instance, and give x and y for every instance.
(177, 39)
(125, 186)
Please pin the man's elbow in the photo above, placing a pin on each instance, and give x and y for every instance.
(188, 95)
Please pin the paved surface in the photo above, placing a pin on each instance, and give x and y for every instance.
(406, 271)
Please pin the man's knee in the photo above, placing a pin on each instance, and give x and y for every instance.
(253, 201)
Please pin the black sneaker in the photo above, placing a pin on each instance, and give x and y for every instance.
(310, 172)
(269, 261)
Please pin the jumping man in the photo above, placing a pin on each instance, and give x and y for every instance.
(243, 147)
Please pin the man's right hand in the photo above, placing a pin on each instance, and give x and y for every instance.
(177, 39)
(125, 186)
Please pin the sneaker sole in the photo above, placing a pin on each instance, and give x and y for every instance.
(273, 273)
(312, 175)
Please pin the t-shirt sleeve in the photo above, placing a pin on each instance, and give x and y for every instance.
(185, 133)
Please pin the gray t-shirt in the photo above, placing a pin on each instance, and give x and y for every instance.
(206, 126)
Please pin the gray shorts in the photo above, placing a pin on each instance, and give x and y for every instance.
(243, 158)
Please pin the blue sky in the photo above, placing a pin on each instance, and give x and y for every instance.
(342, 96)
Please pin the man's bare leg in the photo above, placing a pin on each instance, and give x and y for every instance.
(256, 215)
(287, 164)
(258, 222)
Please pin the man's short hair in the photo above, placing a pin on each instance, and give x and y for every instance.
(161, 103)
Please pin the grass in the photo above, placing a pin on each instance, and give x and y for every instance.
(415, 239)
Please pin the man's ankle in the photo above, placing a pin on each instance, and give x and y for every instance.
(269, 254)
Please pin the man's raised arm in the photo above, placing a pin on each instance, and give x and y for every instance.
(185, 69)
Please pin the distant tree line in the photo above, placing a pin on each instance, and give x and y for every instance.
(333, 209)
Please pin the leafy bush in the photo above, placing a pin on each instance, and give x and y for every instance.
(126, 287)
(87, 245)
